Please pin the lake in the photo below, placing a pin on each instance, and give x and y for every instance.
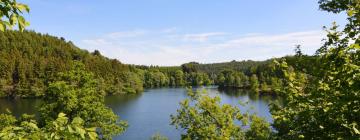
(149, 113)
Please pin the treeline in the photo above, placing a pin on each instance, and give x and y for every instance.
(259, 76)
(173, 77)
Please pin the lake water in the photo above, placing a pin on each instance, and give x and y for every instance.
(149, 113)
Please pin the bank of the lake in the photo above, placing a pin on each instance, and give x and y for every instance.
(149, 113)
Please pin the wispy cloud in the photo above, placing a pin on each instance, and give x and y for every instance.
(202, 37)
(157, 49)
(280, 39)
(169, 30)
(126, 34)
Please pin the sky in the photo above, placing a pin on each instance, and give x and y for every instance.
(173, 32)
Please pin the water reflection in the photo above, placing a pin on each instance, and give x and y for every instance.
(19, 106)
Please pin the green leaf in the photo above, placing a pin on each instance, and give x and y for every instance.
(350, 13)
(23, 7)
(2, 27)
(92, 129)
(13, 19)
(33, 125)
(355, 46)
(92, 135)
(61, 115)
(355, 130)
(77, 120)
(70, 129)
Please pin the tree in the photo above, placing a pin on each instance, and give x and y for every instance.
(276, 84)
(179, 78)
(77, 94)
(298, 52)
(259, 129)
(12, 11)
(326, 104)
(220, 80)
(254, 83)
(158, 136)
(202, 117)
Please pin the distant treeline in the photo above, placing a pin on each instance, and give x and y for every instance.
(29, 61)
(259, 76)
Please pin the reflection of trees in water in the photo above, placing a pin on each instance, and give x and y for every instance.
(116, 100)
(233, 92)
(20, 106)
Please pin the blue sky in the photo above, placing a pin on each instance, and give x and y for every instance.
(172, 32)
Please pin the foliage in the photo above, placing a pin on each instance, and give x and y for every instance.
(76, 94)
(155, 79)
(158, 136)
(230, 78)
(173, 76)
(324, 104)
(29, 61)
(10, 15)
(202, 117)
(61, 128)
(259, 129)
(254, 83)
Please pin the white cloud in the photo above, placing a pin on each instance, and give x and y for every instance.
(159, 50)
(126, 34)
(202, 37)
(170, 30)
(281, 39)
(96, 42)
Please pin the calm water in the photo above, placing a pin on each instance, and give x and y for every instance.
(149, 113)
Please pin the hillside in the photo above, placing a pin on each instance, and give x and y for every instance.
(30, 60)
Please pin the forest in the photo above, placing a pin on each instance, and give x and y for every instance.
(30, 61)
(321, 102)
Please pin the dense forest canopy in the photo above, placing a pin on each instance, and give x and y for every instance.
(29, 61)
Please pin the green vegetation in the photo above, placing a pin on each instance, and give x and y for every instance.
(173, 77)
(11, 11)
(207, 119)
(254, 83)
(319, 102)
(158, 136)
(29, 61)
(76, 94)
(26, 127)
(324, 104)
